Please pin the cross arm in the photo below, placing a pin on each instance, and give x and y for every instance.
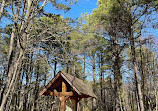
(55, 93)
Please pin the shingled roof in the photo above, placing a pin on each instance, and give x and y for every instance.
(77, 84)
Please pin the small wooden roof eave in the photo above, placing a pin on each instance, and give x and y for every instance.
(77, 84)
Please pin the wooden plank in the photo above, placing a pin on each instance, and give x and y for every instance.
(62, 107)
(63, 94)
(59, 94)
(63, 87)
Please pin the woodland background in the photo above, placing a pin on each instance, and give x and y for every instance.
(112, 49)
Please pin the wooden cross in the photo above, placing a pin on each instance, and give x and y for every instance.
(63, 96)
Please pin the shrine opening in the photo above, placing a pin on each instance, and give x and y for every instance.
(69, 89)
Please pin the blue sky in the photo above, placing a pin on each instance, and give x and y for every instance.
(82, 6)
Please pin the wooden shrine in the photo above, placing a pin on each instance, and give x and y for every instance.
(67, 87)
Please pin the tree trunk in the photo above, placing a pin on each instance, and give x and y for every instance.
(2, 8)
(36, 90)
(142, 76)
(13, 65)
(117, 81)
(94, 82)
(10, 84)
(101, 77)
(117, 74)
(55, 66)
(133, 56)
(84, 66)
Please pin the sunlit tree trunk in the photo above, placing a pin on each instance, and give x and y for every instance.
(133, 56)
(2, 8)
(94, 83)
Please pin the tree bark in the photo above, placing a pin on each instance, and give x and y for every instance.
(10, 83)
(117, 81)
(55, 66)
(2, 8)
(101, 77)
(133, 56)
(94, 86)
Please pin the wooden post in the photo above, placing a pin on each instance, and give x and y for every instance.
(63, 87)
(62, 107)
(62, 98)
(76, 101)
